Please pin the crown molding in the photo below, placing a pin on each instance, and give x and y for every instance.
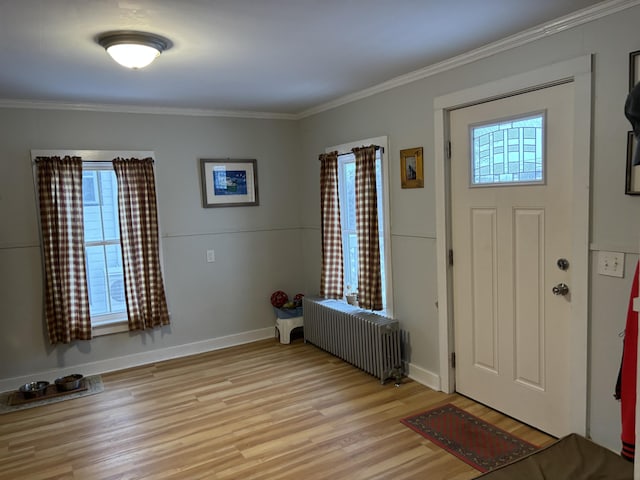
(148, 110)
(572, 20)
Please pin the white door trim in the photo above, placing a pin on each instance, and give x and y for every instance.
(577, 70)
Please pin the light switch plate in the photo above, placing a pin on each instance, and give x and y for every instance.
(611, 264)
(211, 256)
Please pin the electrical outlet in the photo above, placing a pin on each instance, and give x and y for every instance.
(611, 263)
(211, 256)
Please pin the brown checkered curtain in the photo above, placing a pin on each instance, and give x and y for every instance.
(61, 221)
(369, 281)
(144, 288)
(332, 277)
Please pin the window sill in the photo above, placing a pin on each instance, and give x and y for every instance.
(110, 328)
(384, 312)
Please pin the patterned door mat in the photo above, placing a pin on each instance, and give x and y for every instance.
(13, 401)
(472, 440)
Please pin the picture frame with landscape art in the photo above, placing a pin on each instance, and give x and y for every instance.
(632, 179)
(229, 183)
(411, 168)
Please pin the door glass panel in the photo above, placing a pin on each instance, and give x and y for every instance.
(508, 151)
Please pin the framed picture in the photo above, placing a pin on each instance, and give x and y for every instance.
(634, 68)
(411, 169)
(632, 186)
(229, 183)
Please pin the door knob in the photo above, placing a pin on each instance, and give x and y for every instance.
(560, 289)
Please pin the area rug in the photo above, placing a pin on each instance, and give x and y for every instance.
(92, 383)
(474, 441)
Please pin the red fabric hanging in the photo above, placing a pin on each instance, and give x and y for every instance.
(628, 376)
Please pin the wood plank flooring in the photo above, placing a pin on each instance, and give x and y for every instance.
(260, 411)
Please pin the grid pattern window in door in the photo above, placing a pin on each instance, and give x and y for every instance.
(508, 151)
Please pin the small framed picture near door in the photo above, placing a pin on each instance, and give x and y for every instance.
(229, 183)
(633, 171)
(411, 168)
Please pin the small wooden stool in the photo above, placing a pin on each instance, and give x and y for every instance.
(286, 325)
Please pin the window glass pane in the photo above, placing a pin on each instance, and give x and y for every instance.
(97, 280)
(100, 205)
(350, 190)
(351, 263)
(381, 222)
(105, 279)
(509, 151)
(346, 187)
(109, 204)
(116, 279)
(382, 269)
(89, 187)
(102, 237)
(92, 211)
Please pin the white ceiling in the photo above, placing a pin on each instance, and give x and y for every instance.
(277, 56)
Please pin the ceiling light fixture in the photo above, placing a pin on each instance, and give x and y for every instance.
(133, 49)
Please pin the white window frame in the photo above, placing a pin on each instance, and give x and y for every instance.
(110, 323)
(383, 143)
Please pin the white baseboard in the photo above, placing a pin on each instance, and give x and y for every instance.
(425, 377)
(143, 358)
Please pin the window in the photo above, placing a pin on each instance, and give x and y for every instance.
(103, 253)
(509, 151)
(346, 187)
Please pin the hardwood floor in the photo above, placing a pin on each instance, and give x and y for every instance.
(257, 411)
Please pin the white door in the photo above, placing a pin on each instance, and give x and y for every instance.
(511, 194)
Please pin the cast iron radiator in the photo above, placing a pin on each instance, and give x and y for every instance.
(362, 338)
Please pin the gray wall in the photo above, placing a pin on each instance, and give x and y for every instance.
(405, 114)
(277, 245)
(258, 249)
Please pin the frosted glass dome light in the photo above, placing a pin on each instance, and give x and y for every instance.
(133, 49)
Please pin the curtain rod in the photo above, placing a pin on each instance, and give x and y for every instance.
(42, 158)
(351, 153)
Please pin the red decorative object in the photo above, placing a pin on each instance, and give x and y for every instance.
(628, 377)
(279, 298)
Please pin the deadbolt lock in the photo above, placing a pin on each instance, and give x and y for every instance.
(560, 289)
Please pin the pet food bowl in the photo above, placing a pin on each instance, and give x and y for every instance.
(34, 389)
(70, 382)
